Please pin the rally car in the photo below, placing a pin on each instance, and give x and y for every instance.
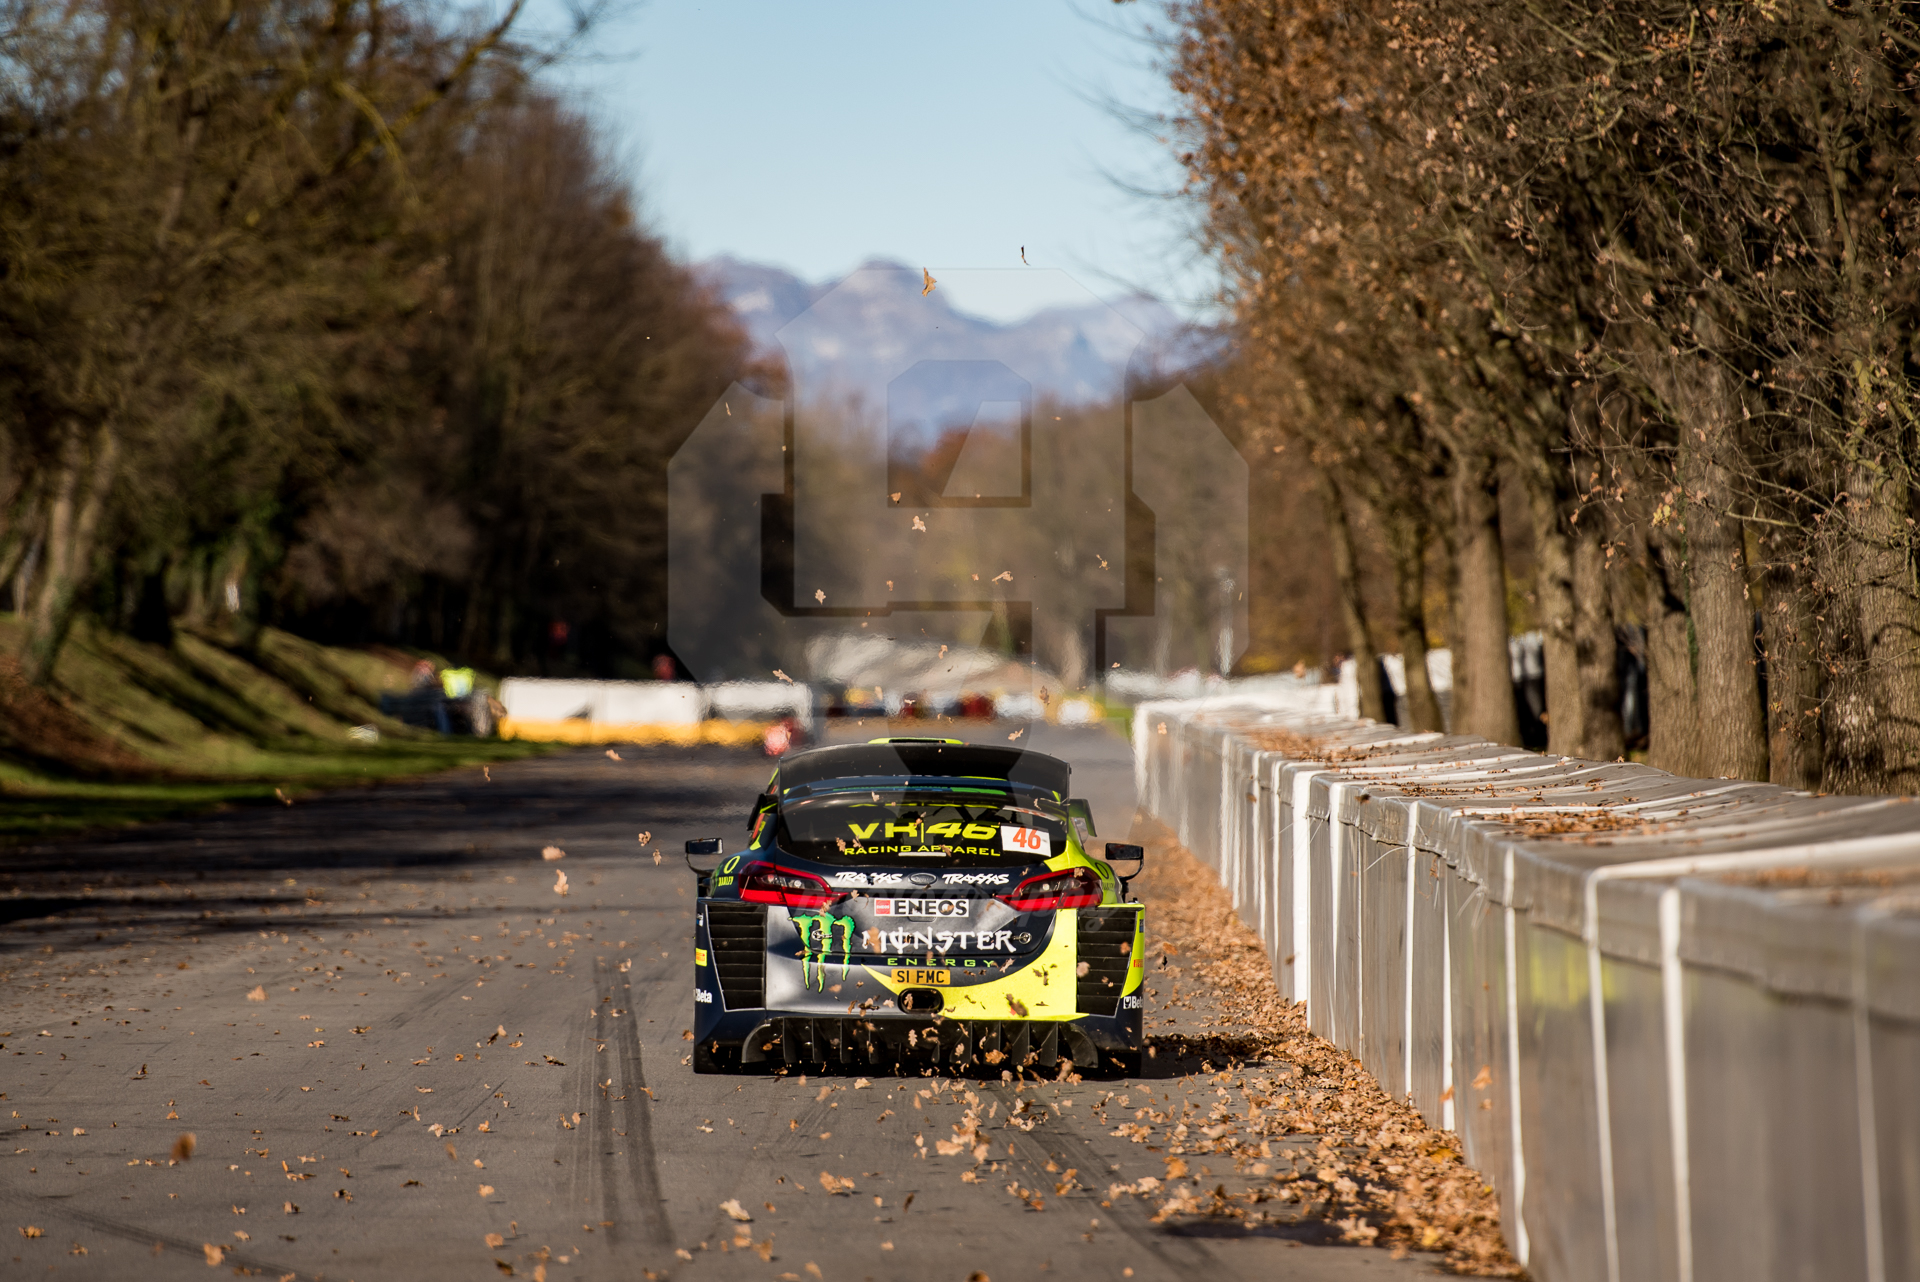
(917, 900)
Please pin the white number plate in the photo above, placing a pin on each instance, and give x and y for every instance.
(1028, 841)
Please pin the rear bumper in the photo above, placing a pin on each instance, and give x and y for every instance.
(1009, 1044)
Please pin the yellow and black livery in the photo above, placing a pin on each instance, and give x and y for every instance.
(918, 900)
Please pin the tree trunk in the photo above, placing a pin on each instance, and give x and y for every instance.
(1673, 723)
(1732, 739)
(1553, 583)
(72, 525)
(1595, 649)
(1406, 532)
(1877, 744)
(1794, 756)
(1483, 678)
(1353, 610)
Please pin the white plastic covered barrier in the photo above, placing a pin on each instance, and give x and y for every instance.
(1675, 1021)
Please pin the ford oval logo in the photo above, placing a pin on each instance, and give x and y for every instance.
(924, 878)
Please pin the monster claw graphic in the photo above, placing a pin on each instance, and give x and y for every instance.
(821, 936)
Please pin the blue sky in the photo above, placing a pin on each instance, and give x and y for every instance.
(942, 134)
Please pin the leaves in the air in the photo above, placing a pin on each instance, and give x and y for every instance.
(919, 525)
(183, 1147)
(486, 1190)
(612, 755)
(559, 882)
(820, 595)
(733, 1208)
(783, 676)
(214, 1254)
(836, 1184)
(1005, 576)
(495, 1241)
(551, 853)
(258, 993)
(928, 282)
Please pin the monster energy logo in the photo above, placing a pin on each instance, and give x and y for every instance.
(821, 936)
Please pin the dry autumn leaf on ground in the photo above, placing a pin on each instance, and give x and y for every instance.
(1378, 1172)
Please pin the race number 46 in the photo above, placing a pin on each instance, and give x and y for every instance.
(1028, 841)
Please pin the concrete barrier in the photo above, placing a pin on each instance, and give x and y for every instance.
(1676, 1022)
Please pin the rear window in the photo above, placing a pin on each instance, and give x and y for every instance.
(929, 829)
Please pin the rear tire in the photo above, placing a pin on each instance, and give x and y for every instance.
(708, 1059)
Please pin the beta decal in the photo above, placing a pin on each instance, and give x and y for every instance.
(1028, 841)
(1130, 1002)
(701, 997)
(922, 908)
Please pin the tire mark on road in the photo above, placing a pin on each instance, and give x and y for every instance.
(1058, 1139)
(145, 1237)
(597, 1176)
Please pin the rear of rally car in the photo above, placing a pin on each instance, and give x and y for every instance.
(922, 901)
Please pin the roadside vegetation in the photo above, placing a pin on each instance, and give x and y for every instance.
(129, 731)
(332, 318)
(1595, 317)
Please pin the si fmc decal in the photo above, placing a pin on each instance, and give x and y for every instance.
(1028, 841)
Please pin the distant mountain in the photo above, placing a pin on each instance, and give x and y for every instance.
(878, 324)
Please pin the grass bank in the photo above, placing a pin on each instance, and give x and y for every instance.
(131, 732)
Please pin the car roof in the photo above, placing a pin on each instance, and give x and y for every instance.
(923, 759)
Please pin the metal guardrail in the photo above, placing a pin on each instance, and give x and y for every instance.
(1675, 1021)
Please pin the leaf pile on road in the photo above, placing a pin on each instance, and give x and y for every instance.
(1289, 1106)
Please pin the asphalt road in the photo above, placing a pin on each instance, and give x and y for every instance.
(442, 1048)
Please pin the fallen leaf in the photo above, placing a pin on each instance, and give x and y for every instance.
(813, 1268)
(764, 1249)
(259, 994)
(215, 1254)
(733, 1208)
(30, 1231)
(486, 1190)
(495, 1241)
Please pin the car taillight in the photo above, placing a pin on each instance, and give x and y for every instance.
(1073, 888)
(768, 884)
